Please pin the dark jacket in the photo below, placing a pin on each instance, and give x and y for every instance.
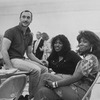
(38, 53)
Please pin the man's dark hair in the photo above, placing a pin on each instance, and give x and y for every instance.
(26, 11)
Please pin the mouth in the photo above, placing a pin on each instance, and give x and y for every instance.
(25, 23)
(57, 48)
(81, 48)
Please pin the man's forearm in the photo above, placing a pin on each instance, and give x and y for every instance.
(6, 59)
(33, 58)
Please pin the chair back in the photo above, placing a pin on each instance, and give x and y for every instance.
(88, 93)
(13, 87)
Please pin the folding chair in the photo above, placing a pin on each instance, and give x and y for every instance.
(88, 93)
(12, 87)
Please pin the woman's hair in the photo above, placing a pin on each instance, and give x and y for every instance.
(45, 36)
(66, 45)
(93, 39)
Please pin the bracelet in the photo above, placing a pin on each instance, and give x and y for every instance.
(55, 84)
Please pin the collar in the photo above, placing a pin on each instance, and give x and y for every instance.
(20, 29)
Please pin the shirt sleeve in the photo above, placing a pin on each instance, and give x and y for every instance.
(90, 62)
(9, 35)
(87, 65)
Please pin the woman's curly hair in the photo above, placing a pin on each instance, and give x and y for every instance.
(66, 44)
(93, 39)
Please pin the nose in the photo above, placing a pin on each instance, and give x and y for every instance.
(80, 44)
(25, 18)
(57, 44)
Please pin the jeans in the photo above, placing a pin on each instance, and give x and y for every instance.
(60, 93)
(35, 70)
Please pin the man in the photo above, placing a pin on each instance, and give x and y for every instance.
(37, 45)
(16, 42)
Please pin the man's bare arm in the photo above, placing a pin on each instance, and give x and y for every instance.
(5, 46)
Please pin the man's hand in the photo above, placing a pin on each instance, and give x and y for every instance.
(45, 63)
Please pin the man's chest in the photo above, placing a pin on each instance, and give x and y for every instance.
(20, 39)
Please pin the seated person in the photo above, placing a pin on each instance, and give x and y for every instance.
(62, 59)
(16, 42)
(73, 87)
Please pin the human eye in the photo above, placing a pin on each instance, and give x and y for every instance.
(23, 16)
(85, 41)
(28, 17)
(60, 43)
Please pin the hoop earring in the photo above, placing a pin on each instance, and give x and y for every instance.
(91, 49)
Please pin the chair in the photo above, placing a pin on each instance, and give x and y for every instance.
(88, 93)
(12, 87)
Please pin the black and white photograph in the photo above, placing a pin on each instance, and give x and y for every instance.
(49, 49)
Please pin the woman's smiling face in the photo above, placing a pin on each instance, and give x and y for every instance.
(58, 45)
(84, 45)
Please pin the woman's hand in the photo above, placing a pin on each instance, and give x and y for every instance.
(50, 84)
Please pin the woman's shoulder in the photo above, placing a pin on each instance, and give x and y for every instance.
(90, 60)
(88, 64)
(91, 57)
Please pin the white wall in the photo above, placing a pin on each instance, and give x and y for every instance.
(55, 19)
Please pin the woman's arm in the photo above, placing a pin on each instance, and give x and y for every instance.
(83, 68)
(74, 78)
(64, 82)
(31, 56)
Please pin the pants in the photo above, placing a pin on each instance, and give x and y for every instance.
(35, 69)
(61, 93)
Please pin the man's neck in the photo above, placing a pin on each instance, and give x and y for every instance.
(24, 29)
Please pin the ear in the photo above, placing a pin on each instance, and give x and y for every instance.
(31, 20)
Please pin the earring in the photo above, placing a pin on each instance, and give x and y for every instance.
(91, 49)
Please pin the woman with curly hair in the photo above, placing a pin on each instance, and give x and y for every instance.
(62, 59)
